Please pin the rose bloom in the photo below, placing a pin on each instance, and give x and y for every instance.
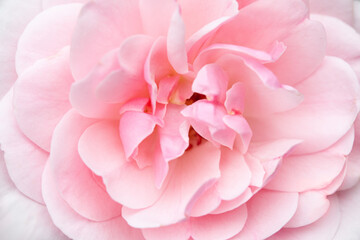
(177, 120)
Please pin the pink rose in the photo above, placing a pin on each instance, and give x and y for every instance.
(177, 120)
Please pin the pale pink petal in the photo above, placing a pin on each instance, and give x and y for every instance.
(219, 226)
(121, 86)
(342, 39)
(178, 231)
(268, 212)
(247, 29)
(156, 24)
(190, 176)
(350, 217)
(157, 66)
(353, 162)
(77, 227)
(41, 97)
(235, 98)
(83, 93)
(166, 88)
(207, 119)
(176, 48)
(24, 160)
(125, 182)
(46, 35)
(306, 172)
(51, 3)
(101, 149)
(134, 128)
(340, 9)
(265, 151)
(239, 124)
(306, 41)
(78, 186)
(211, 81)
(91, 40)
(207, 203)
(312, 206)
(323, 229)
(134, 63)
(133, 187)
(235, 175)
(259, 98)
(330, 106)
(197, 14)
(173, 135)
(14, 16)
(256, 169)
(21, 217)
(226, 206)
(357, 16)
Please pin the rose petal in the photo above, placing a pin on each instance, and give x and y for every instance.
(191, 177)
(46, 34)
(197, 14)
(211, 81)
(91, 40)
(220, 226)
(330, 106)
(312, 206)
(51, 3)
(176, 48)
(24, 160)
(77, 227)
(306, 41)
(340, 9)
(14, 16)
(78, 186)
(178, 231)
(41, 98)
(323, 229)
(235, 175)
(349, 208)
(21, 217)
(267, 207)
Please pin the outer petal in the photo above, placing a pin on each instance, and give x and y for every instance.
(51, 3)
(24, 160)
(306, 41)
(91, 40)
(101, 149)
(277, 19)
(83, 93)
(14, 16)
(22, 218)
(219, 226)
(305, 172)
(46, 34)
(323, 229)
(178, 231)
(41, 98)
(312, 206)
(76, 183)
(193, 177)
(268, 212)
(235, 175)
(330, 106)
(350, 217)
(77, 227)
(197, 14)
(339, 9)
(342, 39)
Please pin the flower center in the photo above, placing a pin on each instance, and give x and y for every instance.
(194, 139)
(194, 98)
